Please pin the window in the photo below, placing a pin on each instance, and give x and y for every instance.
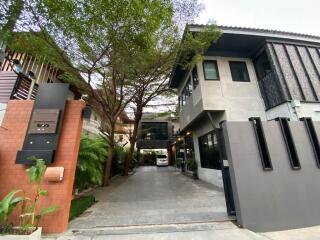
(209, 151)
(186, 92)
(195, 79)
(262, 66)
(210, 70)
(239, 71)
(154, 130)
(189, 86)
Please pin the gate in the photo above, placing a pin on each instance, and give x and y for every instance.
(225, 174)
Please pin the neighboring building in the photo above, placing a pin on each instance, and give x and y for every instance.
(16, 84)
(155, 132)
(247, 73)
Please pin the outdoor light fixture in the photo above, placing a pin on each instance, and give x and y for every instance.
(30, 74)
(17, 67)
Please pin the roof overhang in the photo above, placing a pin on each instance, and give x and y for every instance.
(242, 43)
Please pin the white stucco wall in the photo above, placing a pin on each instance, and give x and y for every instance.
(3, 107)
(203, 127)
(240, 100)
(225, 99)
(295, 110)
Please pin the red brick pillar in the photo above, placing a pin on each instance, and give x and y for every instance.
(14, 176)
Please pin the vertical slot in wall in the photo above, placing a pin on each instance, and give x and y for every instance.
(313, 138)
(262, 144)
(291, 149)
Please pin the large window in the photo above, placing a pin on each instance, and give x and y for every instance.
(209, 151)
(210, 70)
(239, 71)
(154, 130)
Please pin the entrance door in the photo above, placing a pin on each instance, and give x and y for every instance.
(225, 174)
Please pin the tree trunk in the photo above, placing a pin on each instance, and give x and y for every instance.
(107, 171)
(133, 140)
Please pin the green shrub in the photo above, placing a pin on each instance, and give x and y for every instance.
(79, 205)
(91, 162)
(119, 156)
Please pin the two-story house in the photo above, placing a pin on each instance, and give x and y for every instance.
(246, 73)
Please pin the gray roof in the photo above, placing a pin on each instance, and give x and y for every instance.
(260, 32)
(246, 39)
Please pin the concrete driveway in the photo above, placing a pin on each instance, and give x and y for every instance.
(151, 196)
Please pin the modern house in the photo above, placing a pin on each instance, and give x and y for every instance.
(156, 133)
(246, 73)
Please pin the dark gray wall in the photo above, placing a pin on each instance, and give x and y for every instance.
(279, 199)
(297, 73)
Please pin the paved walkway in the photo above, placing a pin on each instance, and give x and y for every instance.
(162, 204)
(154, 196)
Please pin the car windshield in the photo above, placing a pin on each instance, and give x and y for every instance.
(162, 156)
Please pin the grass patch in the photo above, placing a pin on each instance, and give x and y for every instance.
(79, 205)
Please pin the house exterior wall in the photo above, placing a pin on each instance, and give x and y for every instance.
(240, 100)
(13, 176)
(295, 73)
(295, 110)
(277, 199)
(91, 126)
(224, 100)
(204, 126)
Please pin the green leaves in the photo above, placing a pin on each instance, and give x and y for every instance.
(36, 172)
(44, 212)
(7, 204)
(91, 159)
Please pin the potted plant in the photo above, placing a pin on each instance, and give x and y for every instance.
(192, 166)
(30, 215)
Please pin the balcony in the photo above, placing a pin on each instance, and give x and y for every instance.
(16, 86)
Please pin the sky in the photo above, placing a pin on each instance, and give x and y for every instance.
(301, 16)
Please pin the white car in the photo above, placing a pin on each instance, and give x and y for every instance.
(162, 160)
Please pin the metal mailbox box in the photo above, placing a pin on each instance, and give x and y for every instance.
(44, 121)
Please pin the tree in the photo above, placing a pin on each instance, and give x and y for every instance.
(154, 69)
(99, 40)
(113, 51)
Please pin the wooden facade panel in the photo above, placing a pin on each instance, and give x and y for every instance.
(7, 83)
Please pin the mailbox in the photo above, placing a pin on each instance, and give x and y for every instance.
(42, 135)
(44, 121)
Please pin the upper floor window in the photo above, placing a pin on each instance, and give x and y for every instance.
(210, 69)
(262, 65)
(195, 78)
(239, 71)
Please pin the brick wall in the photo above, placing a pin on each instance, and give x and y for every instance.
(13, 176)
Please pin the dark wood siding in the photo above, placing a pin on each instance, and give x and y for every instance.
(7, 83)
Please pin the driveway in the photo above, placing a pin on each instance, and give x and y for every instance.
(154, 196)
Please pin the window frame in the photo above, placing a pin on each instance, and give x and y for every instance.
(217, 69)
(204, 162)
(246, 67)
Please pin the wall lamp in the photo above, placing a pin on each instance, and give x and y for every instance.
(17, 67)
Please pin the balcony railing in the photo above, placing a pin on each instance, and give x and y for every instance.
(16, 86)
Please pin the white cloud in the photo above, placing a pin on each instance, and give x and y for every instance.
(300, 16)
